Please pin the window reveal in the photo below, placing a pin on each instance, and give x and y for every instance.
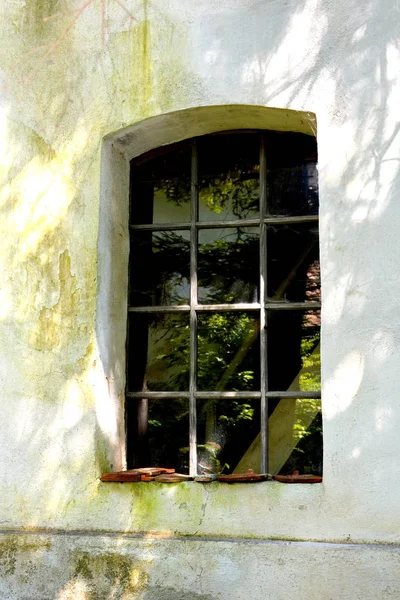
(223, 366)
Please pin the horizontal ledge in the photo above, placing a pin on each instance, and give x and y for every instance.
(178, 536)
(226, 307)
(298, 395)
(271, 220)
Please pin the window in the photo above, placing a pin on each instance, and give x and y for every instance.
(223, 368)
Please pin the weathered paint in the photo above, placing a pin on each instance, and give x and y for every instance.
(66, 85)
(97, 567)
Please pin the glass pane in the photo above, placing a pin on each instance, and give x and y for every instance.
(162, 435)
(295, 437)
(293, 263)
(229, 176)
(228, 265)
(160, 186)
(294, 350)
(228, 351)
(159, 268)
(292, 174)
(225, 431)
(158, 352)
(293, 191)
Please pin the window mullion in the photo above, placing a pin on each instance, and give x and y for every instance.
(263, 290)
(194, 204)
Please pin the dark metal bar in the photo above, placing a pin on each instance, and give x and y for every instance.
(229, 395)
(270, 220)
(294, 394)
(196, 307)
(173, 308)
(194, 209)
(292, 305)
(223, 224)
(227, 307)
(300, 395)
(263, 293)
(199, 225)
(282, 220)
(160, 226)
(160, 309)
(158, 395)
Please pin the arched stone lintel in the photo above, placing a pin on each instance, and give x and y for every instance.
(182, 124)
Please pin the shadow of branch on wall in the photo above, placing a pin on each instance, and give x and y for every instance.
(47, 321)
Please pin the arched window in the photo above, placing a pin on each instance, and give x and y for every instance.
(223, 368)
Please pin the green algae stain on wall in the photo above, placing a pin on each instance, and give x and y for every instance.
(150, 70)
(175, 82)
(132, 76)
(110, 575)
(13, 546)
(36, 16)
(147, 503)
(56, 320)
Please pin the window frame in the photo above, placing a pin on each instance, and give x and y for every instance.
(193, 308)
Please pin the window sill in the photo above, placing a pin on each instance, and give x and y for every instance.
(172, 478)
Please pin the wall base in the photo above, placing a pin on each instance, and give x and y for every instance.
(66, 566)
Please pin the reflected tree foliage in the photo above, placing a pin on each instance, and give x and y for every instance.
(228, 266)
(228, 356)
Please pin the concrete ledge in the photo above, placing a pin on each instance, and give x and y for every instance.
(66, 565)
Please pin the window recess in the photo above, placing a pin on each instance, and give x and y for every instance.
(223, 369)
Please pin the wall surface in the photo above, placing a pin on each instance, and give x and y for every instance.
(76, 72)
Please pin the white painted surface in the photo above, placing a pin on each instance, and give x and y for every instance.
(80, 567)
(61, 418)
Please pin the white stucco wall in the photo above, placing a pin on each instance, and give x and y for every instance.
(66, 84)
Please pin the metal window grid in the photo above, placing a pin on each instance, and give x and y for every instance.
(194, 308)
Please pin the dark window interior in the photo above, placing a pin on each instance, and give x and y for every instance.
(223, 368)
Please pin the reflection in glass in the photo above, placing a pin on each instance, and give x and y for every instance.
(294, 439)
(162, 436)
(295, 431)
(292, 174)
(225, 430)
(159, 268)
(160, 186)
(229, 176)
(158, 352)
(228, 351)
(294, 363)
(228, 265)
(293, 191)
(293, 263)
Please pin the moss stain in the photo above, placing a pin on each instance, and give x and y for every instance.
(146, 504)
(102, 452)
(36, 13)
(132, 73)
(150, 70)
(55, 320)
(110, 573)
(84, 362)
(12, 545)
